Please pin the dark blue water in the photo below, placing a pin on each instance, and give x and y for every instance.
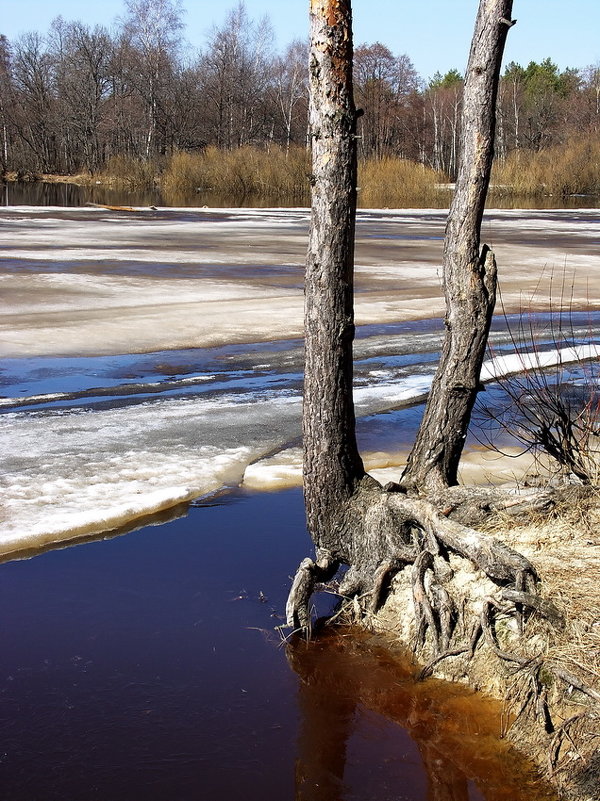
(148, 666)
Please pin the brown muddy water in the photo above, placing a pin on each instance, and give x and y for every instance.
(148, 666)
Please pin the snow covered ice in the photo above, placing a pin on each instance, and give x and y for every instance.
(154, 357)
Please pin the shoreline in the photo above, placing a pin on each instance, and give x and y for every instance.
(72, 291)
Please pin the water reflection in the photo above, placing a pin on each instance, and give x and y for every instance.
(40, 193)
(147, 666)
(348, 684)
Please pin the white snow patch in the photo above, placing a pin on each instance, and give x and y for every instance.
(514, 363)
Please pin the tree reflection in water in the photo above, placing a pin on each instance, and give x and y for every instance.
(346, 675)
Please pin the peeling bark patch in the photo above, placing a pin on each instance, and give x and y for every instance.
(331, 10)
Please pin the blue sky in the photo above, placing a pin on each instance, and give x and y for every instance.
(435, 34)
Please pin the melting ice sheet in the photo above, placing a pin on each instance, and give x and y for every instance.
(96, 464)
(90, 442)
(81, 471)
(81, 461)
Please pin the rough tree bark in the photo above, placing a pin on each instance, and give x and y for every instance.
(469, 270)
(330, 448)
(377, 531)
(332, 468)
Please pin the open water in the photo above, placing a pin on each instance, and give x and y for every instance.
(145, 662)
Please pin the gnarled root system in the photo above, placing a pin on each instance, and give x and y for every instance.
(382, 532)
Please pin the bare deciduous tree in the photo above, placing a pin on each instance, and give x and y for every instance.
(82, 57)
(236, 73)
(353, 521)
(148, 100)
(5, 101)
(290, 91)
(35, 113)
(469, 269)
(152, 27)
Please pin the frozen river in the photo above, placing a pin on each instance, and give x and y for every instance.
(152, 357)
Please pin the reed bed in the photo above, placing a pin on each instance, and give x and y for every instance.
(128, 173)
(244, 172)
(573, 168)
(399, 183)
(250, 172)
(251, 175)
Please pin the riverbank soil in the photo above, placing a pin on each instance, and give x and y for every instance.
(549, 673)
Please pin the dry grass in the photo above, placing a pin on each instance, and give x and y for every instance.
(245, 172)
(564, 549)
(573, 168)
(566, 553)
(398, 183)
(250, 172)
(257, 176)
(123, 172)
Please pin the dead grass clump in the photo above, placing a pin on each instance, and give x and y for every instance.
(125, 172)
(573, 168)
(399, 183)
(556, 700)
(548, 672)
(243, 172)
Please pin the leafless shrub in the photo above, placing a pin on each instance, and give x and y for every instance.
(550, 399)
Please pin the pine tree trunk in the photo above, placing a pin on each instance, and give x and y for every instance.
(469, 271)
(332, 465)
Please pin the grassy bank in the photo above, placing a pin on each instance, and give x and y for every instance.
(250, 173)
(571, 169)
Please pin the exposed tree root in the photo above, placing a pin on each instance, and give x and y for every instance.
(428, 669)
(390, 540)
(490, 607)
(308, 574)
(561, 734)
(381, 532)
(573, 681)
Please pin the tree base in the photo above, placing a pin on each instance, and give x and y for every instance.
(383, 532)
(470, 608)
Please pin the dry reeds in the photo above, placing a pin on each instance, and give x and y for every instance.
(126, 172)
(255, 176)
(573, 168)
(399, 183)
(247, 172)
(250, 173)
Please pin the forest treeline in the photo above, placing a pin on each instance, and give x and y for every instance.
(88, 99)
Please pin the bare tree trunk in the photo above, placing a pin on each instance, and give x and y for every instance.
(469, 271)
(332, 465)
(376, 531)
